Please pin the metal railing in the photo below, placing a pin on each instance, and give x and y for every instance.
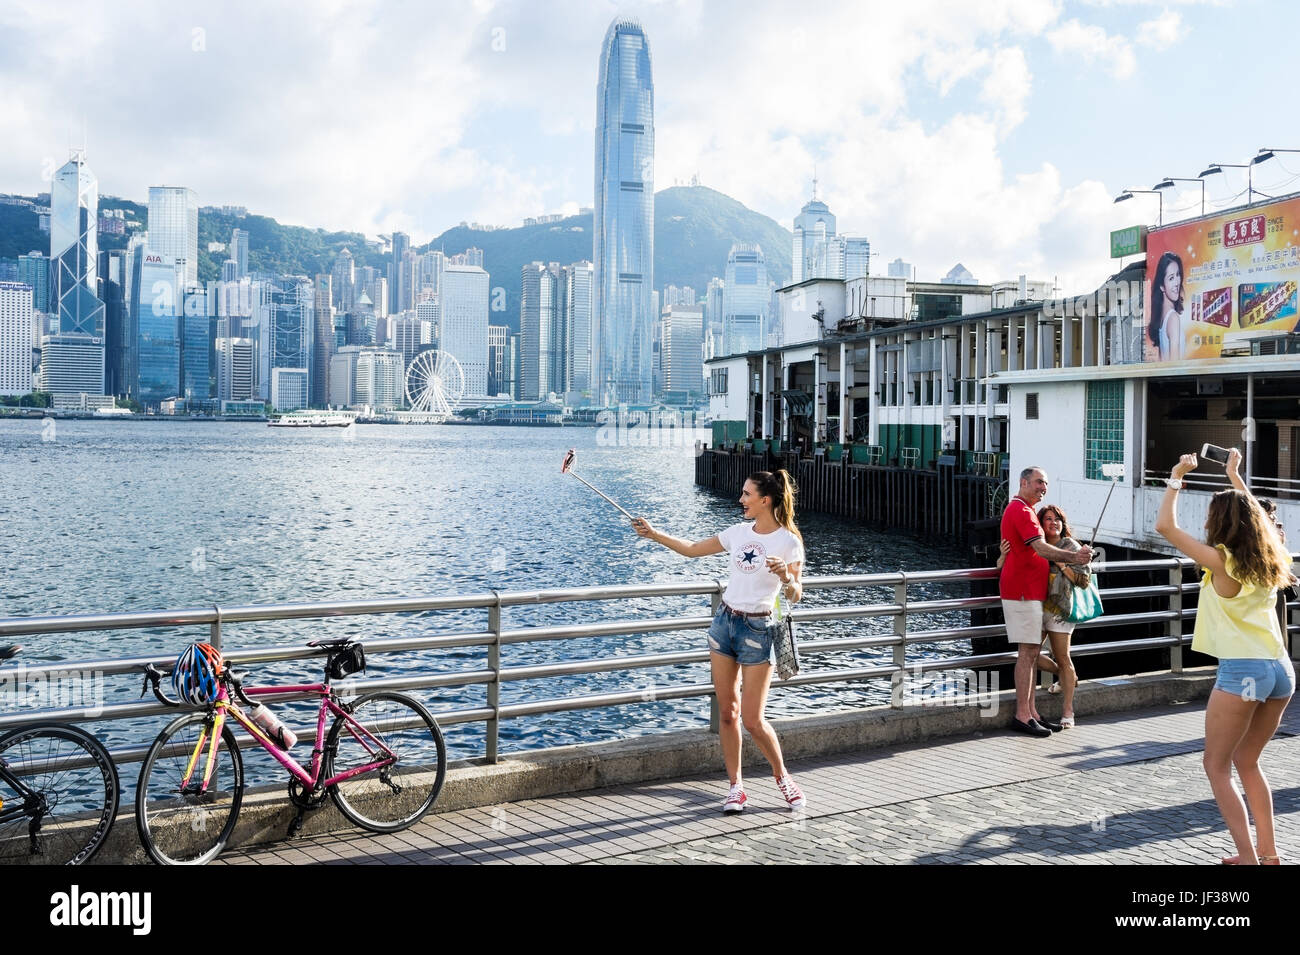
(1261, 485)
(904, 610)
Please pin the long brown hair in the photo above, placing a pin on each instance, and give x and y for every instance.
(1238, 523)
(779, 486)
(1065, 524)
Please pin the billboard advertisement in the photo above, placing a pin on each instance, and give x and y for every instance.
(1218, 283)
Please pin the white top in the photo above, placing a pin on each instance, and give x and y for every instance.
(752, 587)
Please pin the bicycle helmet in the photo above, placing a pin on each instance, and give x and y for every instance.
(196, 677)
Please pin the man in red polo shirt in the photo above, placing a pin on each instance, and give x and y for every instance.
(1023, 588)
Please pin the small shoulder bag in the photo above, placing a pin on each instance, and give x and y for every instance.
(787, 648)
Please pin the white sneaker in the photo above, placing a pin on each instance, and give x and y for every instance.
(792, 793)
(735, 801)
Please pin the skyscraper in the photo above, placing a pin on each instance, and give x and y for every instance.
(855, 257)
(195, 339)
(713, 312)
(72, 364)
(624, 218)
(234, 364)
(117, 323)
(156, 329)
(34, 270)
(579, 285)
(344, 274)
(539, 299)
(681, 343)
(411, 336)
(898, 269)
(463, 323)
(174, 228)
(286, 327)
(676, 295)
(239, 252)
(745, 300)
(396, 271)
(814, 229)
(15, 338)
(498, 337)
(74, 245)
(322, 341)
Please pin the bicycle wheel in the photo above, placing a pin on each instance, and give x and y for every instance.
(60, 781)
(181, 825)
(397, 795)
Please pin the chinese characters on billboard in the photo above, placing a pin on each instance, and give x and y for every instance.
(1215, 284)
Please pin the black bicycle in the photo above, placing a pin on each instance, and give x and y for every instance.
(58, 793)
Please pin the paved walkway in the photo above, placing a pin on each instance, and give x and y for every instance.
(1121, 789)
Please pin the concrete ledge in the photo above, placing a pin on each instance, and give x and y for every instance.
(267, 813)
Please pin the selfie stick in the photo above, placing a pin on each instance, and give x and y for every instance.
(567, 468)
(1114, 471)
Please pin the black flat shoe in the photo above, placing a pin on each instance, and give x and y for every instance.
(1048, 724)
(1031, 728)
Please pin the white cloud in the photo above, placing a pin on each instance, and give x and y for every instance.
(1162, 32)
(922, 120)
(1091, 44)
(1007, 86)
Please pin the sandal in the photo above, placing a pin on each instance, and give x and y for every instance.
(1054, 688)
(1067, 722)
(1263, 860)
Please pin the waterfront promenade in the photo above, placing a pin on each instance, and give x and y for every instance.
(1122, 788)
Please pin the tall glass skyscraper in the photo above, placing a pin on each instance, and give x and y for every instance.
(463, 323)
(578, 288)
(286, 327)
(174, 228)
(156, 313)
(623, 333)
(814, 231)
(745, 299)
(74, 247)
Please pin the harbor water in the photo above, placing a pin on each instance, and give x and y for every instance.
(105, 516)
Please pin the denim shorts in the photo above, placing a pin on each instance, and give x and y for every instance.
(1257, 679)
(747, 640)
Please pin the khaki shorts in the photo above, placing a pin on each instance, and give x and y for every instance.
(1024, 620)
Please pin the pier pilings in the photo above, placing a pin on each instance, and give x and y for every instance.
(939, 501)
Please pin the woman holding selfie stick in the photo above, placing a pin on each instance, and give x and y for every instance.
(1245, 565)
(765, 557)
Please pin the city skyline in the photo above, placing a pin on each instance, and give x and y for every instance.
(934, 130)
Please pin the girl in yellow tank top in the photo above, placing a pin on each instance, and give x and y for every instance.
(1245, 564)
(1241, 627)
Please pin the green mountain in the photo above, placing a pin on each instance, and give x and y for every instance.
(281, 249)
(695, 228)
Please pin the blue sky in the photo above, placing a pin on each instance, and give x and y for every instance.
(995, 133)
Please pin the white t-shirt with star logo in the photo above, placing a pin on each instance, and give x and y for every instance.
(752, 587)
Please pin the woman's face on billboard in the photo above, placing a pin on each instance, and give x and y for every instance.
(1173, 285)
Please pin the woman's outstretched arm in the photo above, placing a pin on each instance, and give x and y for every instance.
(702, 548)
(1167, 524)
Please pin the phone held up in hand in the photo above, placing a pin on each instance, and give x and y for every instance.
(1212, 452)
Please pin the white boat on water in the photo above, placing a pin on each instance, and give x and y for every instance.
(313, 419)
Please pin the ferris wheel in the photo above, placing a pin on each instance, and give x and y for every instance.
(435, 382)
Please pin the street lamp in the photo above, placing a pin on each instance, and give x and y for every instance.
(1267, 154)
(1217, 167)
(1130, 193)
(1168, 182)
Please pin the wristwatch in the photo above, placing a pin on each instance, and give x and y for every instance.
(1175, 483)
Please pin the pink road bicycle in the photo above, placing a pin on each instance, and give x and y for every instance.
(383, 762)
